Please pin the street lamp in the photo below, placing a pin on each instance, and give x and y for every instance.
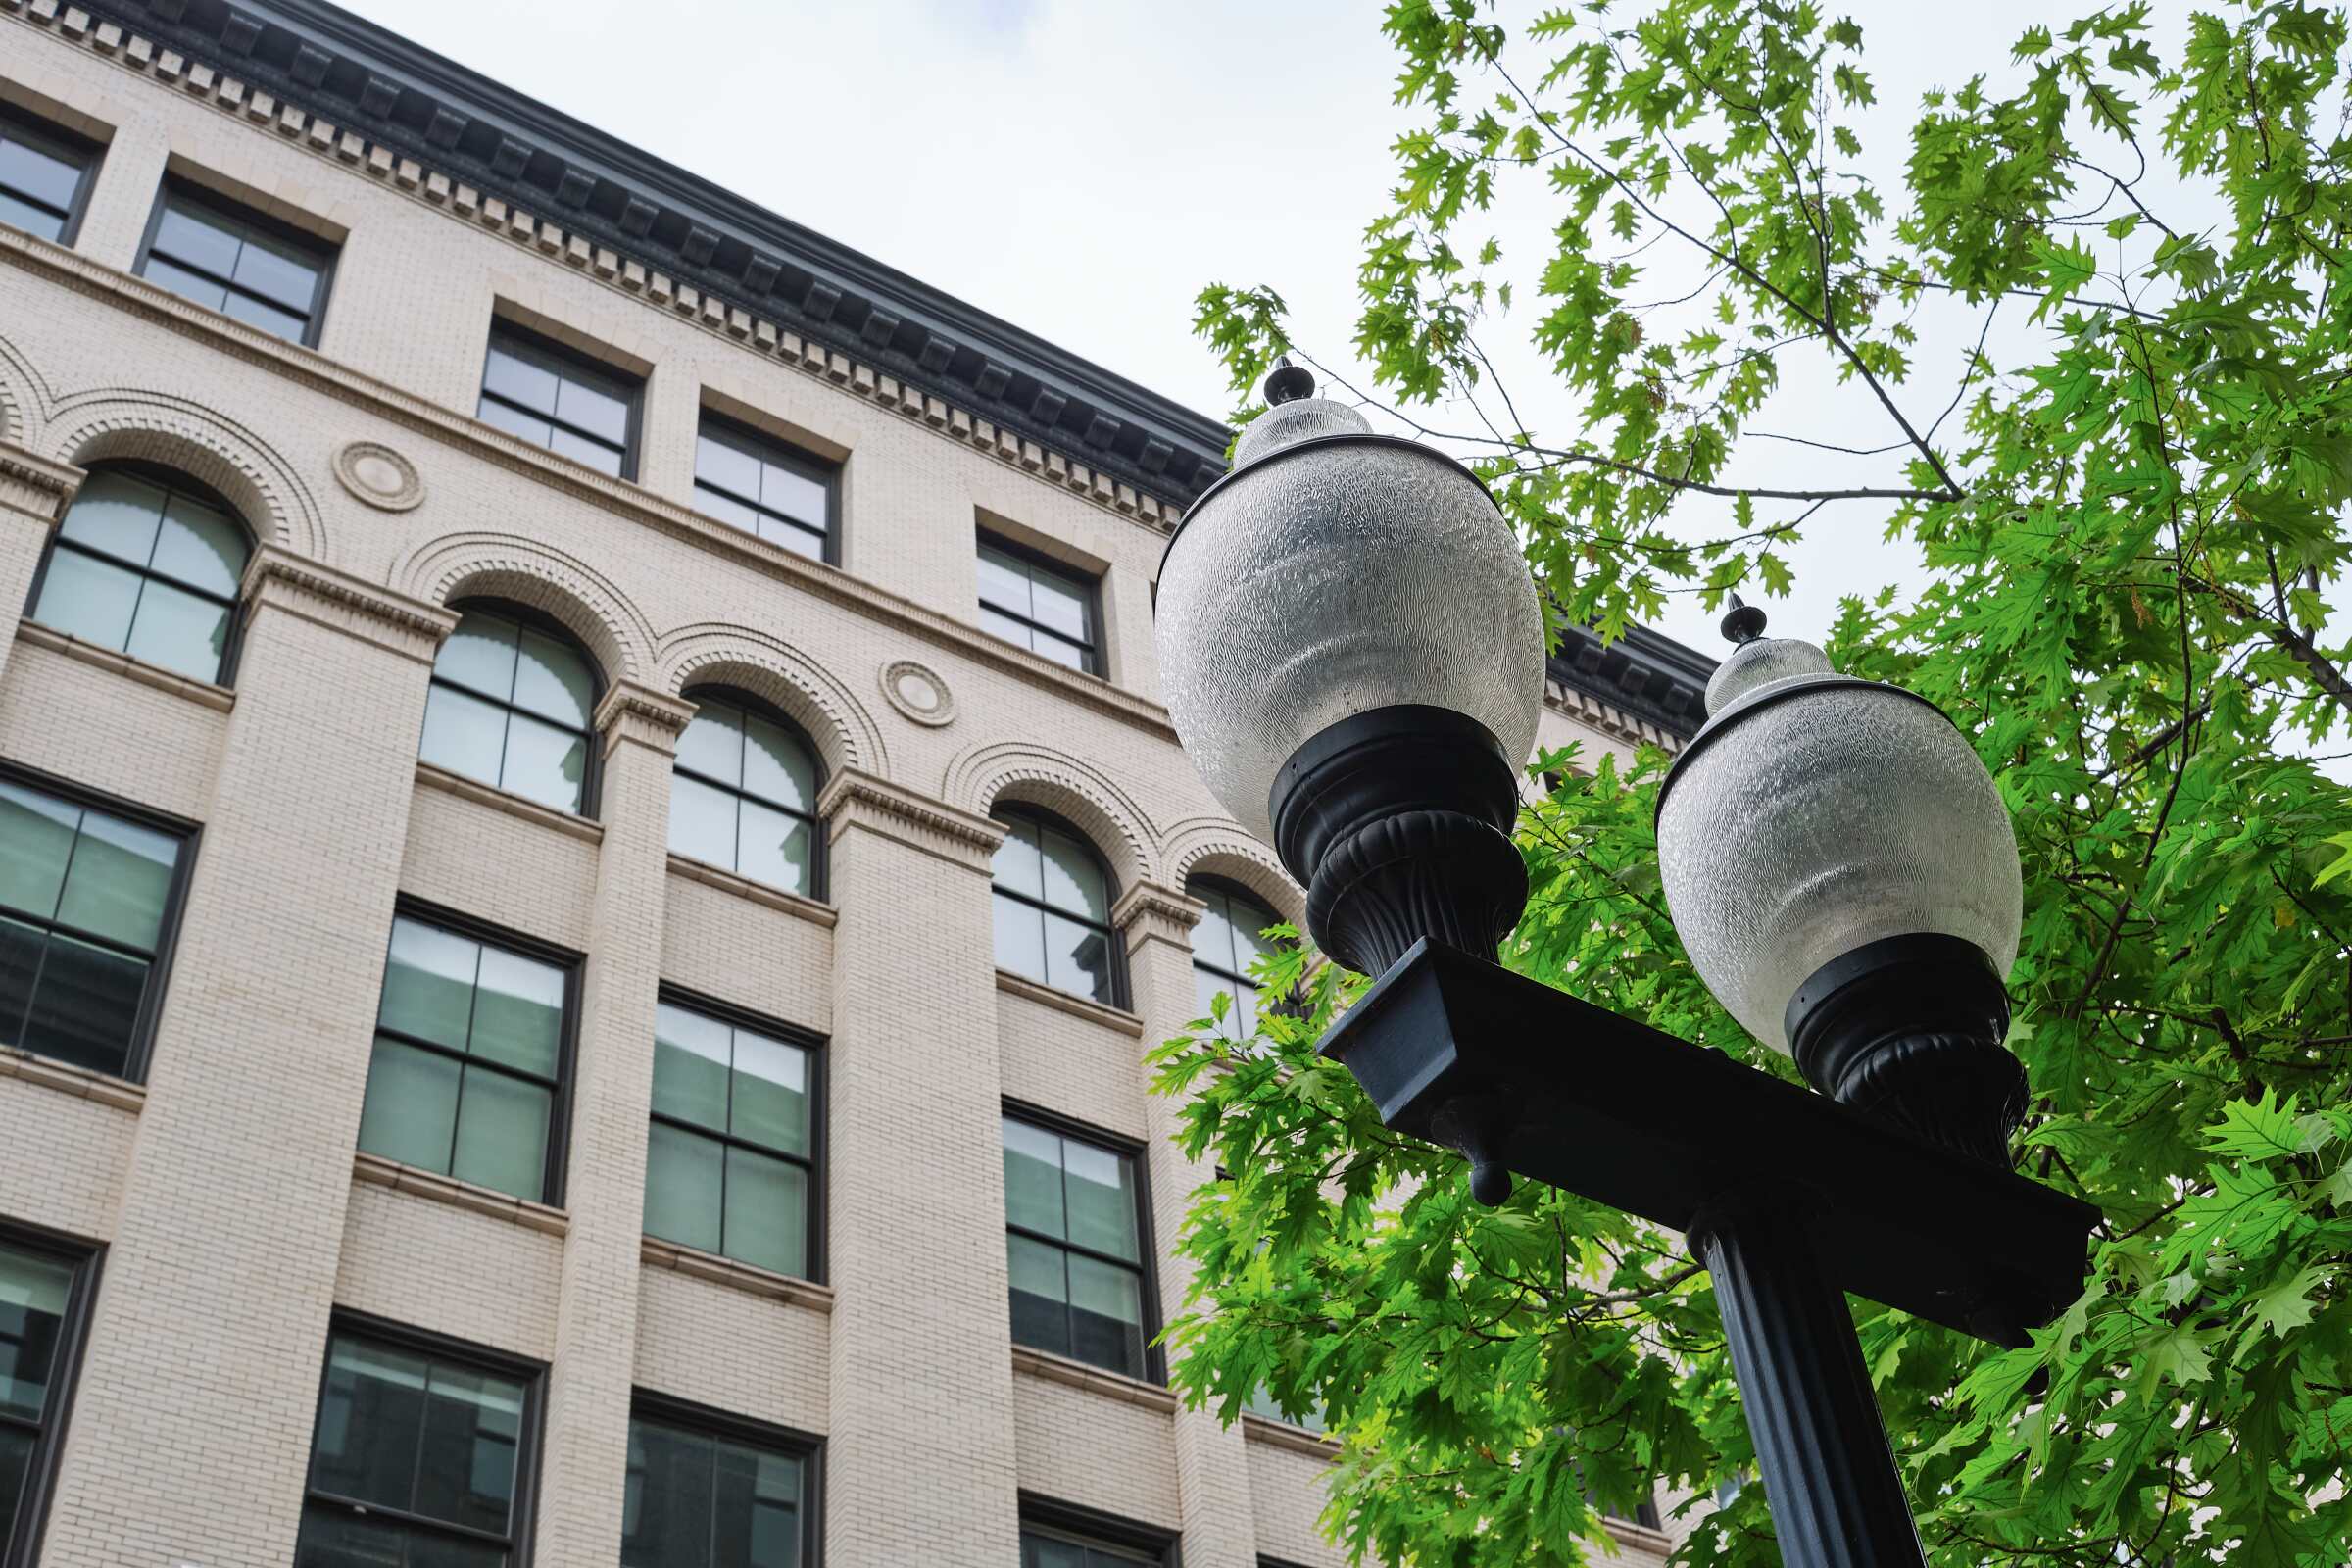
(1352, 651)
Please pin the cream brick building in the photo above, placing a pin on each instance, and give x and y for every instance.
(313, 346)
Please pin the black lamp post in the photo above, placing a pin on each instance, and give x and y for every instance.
(1354, 658)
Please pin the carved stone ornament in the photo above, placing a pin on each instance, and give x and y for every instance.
(378, 475)
(919, 692)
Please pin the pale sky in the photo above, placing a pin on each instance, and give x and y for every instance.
(1082, 167)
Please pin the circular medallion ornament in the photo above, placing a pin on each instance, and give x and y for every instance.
(378, 475)
(918, 692)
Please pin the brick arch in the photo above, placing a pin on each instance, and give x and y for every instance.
(24, 397)
(124, 425)
(1213, 845)
(1040, 775)
(501, 565)
(716, 654)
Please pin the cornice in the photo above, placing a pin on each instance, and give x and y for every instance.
(1150, 913)
(636, 712)
(855, 799)
(36, 487)
(319, 593)
(400, 113)
(1643, 686)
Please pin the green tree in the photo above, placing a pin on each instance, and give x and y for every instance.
(2132, 536)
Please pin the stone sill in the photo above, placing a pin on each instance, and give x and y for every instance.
(1076, 1374)
(1110, 1018)
(1283, 1435)
(793, 904)
(1640, 1537)
(79, 1082)
(748, 1278)
(202, 692)
(498, 800)
(378, 1171)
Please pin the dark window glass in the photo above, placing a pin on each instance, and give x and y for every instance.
(1225, 944)
(85, 900)
(468, 1060)
(703, 1500)
(416, 1461)
(238, 263)
(731, 1165)
(1053, 908)
(1047, 610)
(765, 487)
(1074, 1239)
(148, 567)
(743, 794)
(44, 177)
(1043, 1547)
(511, 704)
(39, 1288)
(556, 400)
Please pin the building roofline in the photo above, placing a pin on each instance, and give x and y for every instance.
(1645, 674)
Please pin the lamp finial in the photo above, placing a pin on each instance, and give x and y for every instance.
(1289, 382)
(1745, 622)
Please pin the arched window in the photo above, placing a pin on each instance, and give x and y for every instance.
(1053, 897)
(147, 562)
(1225, 943)
(743, 794)
(511, 703)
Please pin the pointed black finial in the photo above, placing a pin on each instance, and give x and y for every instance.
(1744, 623)
(1289, 382)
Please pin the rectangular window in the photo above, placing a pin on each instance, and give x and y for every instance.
(710, 1490)
(1075, 1242)
(472, 1050)
(423, 1454)
(731, 1167)
(88, 902)
(45, 176)
(239, 262)
(1056, 1535)
(566, 402)
(1041, 604)
(760, 485)
(45, 1288)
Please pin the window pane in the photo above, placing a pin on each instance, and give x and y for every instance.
(1205, 988)
(712, 742)
(776, 766)
(795, 495)
(33, 1306)
(1106, 1316)
(180, 631)
(16, 1443)
(371, 1423)
(1073, 878)
(691, 1054)
(122, 876)
(197, 239)
(1004, 582)
(516, 422)
(334, 1538)
(462, 733)
(682, 1186)
(1069, 656)
(472, 1432)
(86, 1006)
(502, 1133)
(277, 273)
(1021, 938)
(726, 509)
(728, 466)
(201, 545)
(544, 764)
(47, 225)
(118, 514)
(42, 176)
(520, 381)
(702, 822)
(1013, 631)
(799, 541)
(758, 1517)
(1077, 959)
(480, 655)
(1102, 1196)
(594, 410)
(21, 950)
(771, 1092)
(1044, 1551)
(582, 449)
(412, 1107)
(1040, 1314)
(1212, 937)
(1059, 605)
(518, 1012)
(773, 849)
(767, 1212)
(553, 680)
(428, 983)
(36, 836)
(1016, 864)
(186, 284)
(1250, 922)
(266, 315)
(671, 1525)
(1033, 1178)
(87, 598)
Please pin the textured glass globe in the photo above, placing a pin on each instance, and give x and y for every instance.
(1318, 581)
(1814, 815)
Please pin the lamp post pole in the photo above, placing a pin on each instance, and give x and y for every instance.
(1354, 655)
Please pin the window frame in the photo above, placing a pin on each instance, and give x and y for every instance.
(561, 360)
(166, 942)
(1233, 890)
(784, 455)
(1082, 1526)
(1094, 661)
(19, 1548)
(531, 618)
(1147, 1265)
(58, 141)
(324, 253)
(1115, 940)
(567, 1039)
(819, 859)
(667, 1409)
(529, 1442)
(808, 1040)
(171, 481)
